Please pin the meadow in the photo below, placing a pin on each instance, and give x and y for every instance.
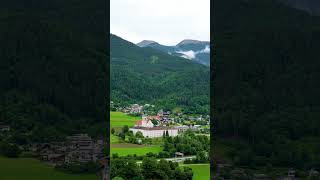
(33, 169)
(200, 171)
(126, 149)
(119, 119)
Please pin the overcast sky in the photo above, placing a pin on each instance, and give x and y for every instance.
(165, 21)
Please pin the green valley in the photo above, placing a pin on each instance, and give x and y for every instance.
(146, 75)
(32, 169)
(117, 146)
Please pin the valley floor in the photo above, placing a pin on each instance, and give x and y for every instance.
(200, 171)
(118, 120)
(33, 169)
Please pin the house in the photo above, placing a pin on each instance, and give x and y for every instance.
(81, 149)
(164, 115)
(158, 118)
(78, 148)
(313, 173)
(182, 128)
(136, 109)
(56, 159)
(178, 154)
(291, 174)
(4, 127)
(145, 122)
(160, 113)
(261, 177)
(104, 163)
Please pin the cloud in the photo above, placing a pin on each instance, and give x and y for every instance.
(205, 50)
(188, 54)
(192, 54)
(165, 21)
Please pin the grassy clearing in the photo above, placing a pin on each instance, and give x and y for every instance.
(33, 169)
(200, 171)
(139, 150)
(119, 119)
(114, 139)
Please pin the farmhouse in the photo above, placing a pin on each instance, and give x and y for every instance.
(145, 122)
(4, 127)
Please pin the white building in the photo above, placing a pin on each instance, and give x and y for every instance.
(153, 132)
(144, 123)
(147, 128)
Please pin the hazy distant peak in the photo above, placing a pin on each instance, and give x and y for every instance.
(145, 43)
(189, 41)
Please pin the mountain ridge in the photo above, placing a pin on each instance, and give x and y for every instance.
(196, 50)
(147, 75)
(310, 6)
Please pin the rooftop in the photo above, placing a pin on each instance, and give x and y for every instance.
(155, 128)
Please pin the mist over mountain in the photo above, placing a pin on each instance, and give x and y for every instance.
(198, 51)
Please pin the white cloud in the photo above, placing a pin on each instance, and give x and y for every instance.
(188, 54)
(192, 54)
(165, 21)
(205, 50)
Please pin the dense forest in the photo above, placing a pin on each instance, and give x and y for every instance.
(53, 68)
(146, 75)
(266, 82)
(127, 168)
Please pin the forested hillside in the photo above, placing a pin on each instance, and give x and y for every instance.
(146, 75)
(53, 68)
(267, 82)
(311, 6)
(194, 50)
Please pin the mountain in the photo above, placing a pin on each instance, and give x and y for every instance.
(53, 69)
(311, 6)
(146, 75)
(198, 51)
(266, 82)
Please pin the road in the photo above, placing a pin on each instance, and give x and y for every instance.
(177, 159)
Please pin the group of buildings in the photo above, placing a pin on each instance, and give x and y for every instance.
(4, 127)
(79, 148)
(156, 126)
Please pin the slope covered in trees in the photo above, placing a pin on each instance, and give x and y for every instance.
(146, 75)
(53, 67)
(266, 89)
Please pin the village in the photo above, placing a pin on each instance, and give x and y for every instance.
(159, 123)
(76, 149)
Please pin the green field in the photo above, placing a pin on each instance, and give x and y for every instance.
(200, 171)
(119, 119)
(114, 139)
(33, 169)
(139, 150)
